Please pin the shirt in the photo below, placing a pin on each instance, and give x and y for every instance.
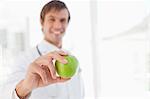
(72, 89)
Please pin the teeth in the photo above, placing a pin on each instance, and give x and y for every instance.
(56, 32)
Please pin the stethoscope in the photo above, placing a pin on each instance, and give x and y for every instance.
(37, 48)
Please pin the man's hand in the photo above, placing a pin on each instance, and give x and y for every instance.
(41, 72)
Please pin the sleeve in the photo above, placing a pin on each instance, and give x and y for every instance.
(17, 71)
(8, 88)
(14, 95)
(12, 79)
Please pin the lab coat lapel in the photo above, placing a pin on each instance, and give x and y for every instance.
(45, 47)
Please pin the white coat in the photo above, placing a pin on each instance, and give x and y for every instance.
(72, 89)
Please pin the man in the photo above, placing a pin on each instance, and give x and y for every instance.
(34, 75)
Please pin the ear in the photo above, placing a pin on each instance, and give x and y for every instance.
(41, 25)
(41, 22)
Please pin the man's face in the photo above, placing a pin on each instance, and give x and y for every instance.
(54, 26)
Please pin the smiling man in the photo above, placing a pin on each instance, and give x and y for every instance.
(34, 74)
(54, 23)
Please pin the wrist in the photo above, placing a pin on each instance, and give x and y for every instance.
(22, 91)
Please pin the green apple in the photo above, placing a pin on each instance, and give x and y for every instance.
(69, 69)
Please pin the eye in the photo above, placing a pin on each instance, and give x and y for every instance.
(63, 20)
(51, 20)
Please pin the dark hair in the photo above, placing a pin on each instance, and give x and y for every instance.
(54, 4)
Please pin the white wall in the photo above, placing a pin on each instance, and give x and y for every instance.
(122, 49)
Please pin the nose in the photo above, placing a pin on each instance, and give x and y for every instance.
(57, 26)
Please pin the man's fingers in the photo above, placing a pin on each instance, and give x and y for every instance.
(41, 72)
(52, 70)
(57, 56)
(46, 62)
(63, 53)
(60, 79)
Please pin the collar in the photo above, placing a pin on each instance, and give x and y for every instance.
(45, 47)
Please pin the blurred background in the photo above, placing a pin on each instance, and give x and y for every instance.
(111, 39)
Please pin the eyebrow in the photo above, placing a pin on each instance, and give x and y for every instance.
(50, 16)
